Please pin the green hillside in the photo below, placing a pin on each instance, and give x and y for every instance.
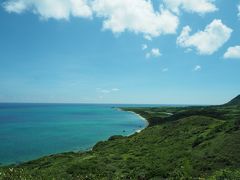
(234, 102)
(180, 142)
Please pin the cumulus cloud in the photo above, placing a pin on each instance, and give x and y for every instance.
(15, 6)
(192, 6)
(155, 52)
(56, 9)
(208, 41)
(147, 37)
(137, 16)
(238, 10)
(197, 68)
(232, 53)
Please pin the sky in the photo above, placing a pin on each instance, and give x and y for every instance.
(119, 51)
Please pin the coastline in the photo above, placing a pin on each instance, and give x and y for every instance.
(165, 143)
(143, 119)
(140, 116)
(89, 149)
(136, 131)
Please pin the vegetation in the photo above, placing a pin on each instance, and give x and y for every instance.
(179, 143)
(234, 102)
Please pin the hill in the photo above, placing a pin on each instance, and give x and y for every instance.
(180, 142)
(234, 102)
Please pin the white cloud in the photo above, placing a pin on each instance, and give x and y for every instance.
(207, 41)
(192, 6)
(147, 37)
(197, 68)
(144, 47)
(155, 52)
(232, 53)
(56, 9)
(15, 6)
(136, 16)
(238, 10)
(107, 91)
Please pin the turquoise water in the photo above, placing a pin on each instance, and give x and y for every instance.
(29, 131)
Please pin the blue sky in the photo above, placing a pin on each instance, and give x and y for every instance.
(128, 51)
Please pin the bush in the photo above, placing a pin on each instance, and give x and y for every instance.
(197, 141)
(226, 174)
(112, 138)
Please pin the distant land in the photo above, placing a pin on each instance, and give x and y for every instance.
(179, 143)
(234, 102)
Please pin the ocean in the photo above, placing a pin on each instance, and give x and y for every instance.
(30, 131)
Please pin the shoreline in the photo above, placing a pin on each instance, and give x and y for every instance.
(143, 119)
(137, 156)
(136, 131)
(89, 148)
(140, 117)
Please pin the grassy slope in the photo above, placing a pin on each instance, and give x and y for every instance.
(235, 101)
(193, 142)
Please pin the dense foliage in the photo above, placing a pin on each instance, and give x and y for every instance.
(180, 143)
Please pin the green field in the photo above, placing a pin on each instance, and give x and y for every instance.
(179, 143)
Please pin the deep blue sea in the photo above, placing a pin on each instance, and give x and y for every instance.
(30, 131)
